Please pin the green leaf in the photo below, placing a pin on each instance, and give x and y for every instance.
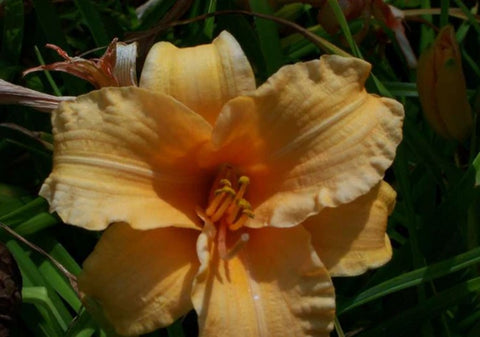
(50, 23)
(413, 278)
(94, 22)
(267, 32)
(24, 213)
(36, 224)
(210, 22)
(476, 167)
(12, 29)
(32, 277)
(82, 326)
(410, 319)
(42, 298)
(345, 28)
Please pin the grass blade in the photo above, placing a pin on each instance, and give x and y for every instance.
(12, 29)
(94, 22)
(268, 34)
(414, 278)
(409, 320)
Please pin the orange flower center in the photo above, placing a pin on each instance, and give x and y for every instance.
(228, 210)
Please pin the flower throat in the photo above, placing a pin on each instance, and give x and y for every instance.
(227, 209)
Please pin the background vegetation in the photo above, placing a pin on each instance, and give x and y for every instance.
(432, 285)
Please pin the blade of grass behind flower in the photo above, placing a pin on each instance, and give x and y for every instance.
(476, 167)
(41, 297)
(400, 168)
(55, 278)
(469, 15)
(244, 33)
(471, 63)
(427, 34)
(50, 23)
(82, 326)
(93, 21)
(60, 277)
(402, 89)
(210, 22)
(413, 278)
(268, 34)
(344, 27)
(51, 26)
(445, 4)
(47, 73)
(22, 214)
(296, 47)
(33, 278)
(382, 90)
(39, 320)
(12, 30)
(410, 319)
(37, 223)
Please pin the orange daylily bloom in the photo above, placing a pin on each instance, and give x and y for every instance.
(237, 202)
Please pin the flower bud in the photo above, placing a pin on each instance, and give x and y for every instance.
(442, 89)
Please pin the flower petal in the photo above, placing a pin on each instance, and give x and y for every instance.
(275, 286)
(124, 154)
(203, 77)
(311, 137)
(141, 279)
(351, 238)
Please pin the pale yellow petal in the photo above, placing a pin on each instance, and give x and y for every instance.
(141, 279)
(204, 77)
(311, 137)
(124, 154)
(276, 286)
(351, 238)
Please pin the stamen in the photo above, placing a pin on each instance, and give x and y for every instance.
(220, 195)
(223, 207)
(243, 181)
(235, 207)
(227, 210)
(232, 252)
(246, 214)
(225, 182)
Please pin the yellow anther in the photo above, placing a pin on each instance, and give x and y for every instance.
(225, 189)
(235, 207)
(243, 180)
(244, 204)
(225, 182)
(220, 196)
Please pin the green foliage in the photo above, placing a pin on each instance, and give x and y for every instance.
(432, 285)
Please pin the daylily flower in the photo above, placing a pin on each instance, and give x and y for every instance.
(442, 89)
(237, 202)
